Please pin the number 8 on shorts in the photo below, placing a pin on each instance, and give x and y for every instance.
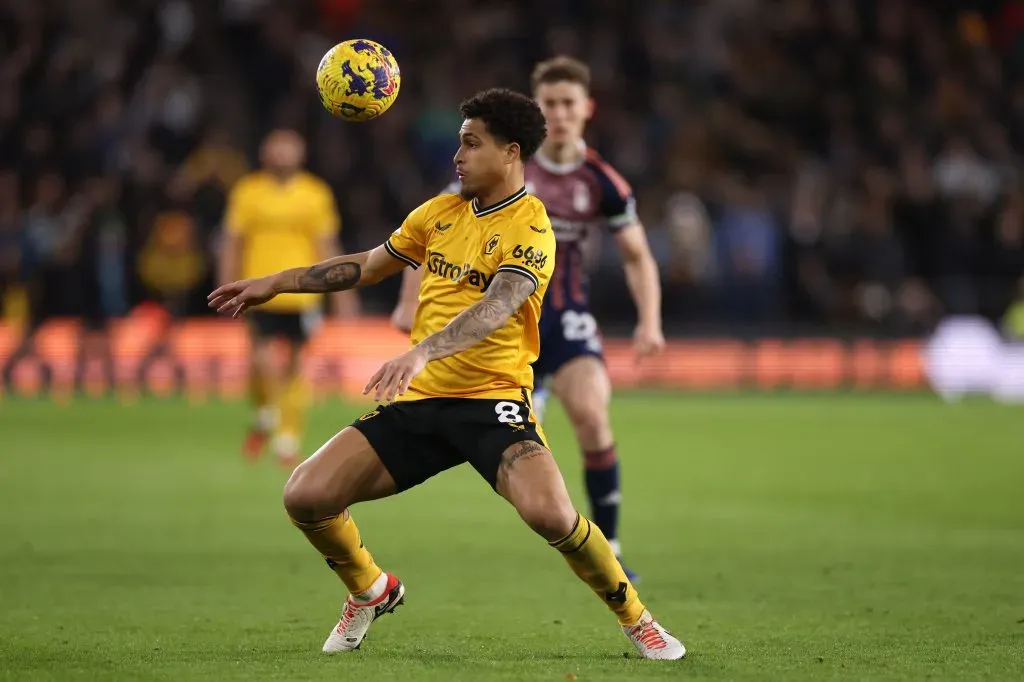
(508, 412)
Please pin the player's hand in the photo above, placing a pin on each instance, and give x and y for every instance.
(403, 316)
(394, 376)
(648, 340)
(237, 297)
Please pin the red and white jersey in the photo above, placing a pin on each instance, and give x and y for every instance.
(580, 197)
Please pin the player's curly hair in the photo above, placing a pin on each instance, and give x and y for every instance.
(509, 117)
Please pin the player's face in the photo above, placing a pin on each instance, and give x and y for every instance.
(481, 161)
(283, 152)
(566, 107)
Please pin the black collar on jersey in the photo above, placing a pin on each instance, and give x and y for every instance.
(494, 208)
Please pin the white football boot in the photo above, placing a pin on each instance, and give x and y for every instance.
(357, 616)
(287, 447)
(653, 641)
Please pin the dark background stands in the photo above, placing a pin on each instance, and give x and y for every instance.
(835, 166)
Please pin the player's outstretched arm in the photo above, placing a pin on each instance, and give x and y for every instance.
(334, 274)
(505, 295)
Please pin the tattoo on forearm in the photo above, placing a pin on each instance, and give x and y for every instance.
(505, 295)
(527, 449)
(325, 277)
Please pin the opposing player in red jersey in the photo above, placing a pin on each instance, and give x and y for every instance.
(581, 193)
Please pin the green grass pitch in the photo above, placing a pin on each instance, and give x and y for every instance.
(781, 537)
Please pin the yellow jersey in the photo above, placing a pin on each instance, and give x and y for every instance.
(462, 246)
(280, 224)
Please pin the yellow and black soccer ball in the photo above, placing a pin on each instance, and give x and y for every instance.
(358, 80)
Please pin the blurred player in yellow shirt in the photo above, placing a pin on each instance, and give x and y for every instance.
(277, 218)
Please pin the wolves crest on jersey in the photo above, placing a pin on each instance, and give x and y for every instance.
(492, 244)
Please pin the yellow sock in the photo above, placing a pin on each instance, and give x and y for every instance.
(15, 306)
(293, 404)
(259, 387)
(261, 394)
(337, 539)
(590, 557)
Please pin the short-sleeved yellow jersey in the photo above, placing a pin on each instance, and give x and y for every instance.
(280, 223)
(462, 246)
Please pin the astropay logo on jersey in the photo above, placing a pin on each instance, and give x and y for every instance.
(438, 264)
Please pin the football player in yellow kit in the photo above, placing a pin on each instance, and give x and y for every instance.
(462, 392)
(280, 217)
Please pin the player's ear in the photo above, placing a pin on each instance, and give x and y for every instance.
(512, 152)
(588, 111)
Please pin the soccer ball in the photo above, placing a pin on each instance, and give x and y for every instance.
(358, 80)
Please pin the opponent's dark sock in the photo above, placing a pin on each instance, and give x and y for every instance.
(602, 478)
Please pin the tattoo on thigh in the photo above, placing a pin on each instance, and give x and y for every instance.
(524, 450)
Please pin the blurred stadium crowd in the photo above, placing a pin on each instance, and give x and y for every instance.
(845, 164)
